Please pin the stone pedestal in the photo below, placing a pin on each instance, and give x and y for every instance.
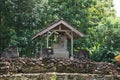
(60, 52)
(11, 52)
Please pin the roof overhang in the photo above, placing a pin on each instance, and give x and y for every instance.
(55, 25)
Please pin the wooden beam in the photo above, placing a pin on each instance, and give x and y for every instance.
(57, 24)
(71, 44)
(48, 37)
(68, 34)
(41, 45)
(61, 30)
(59, 27)
(72, 29)
(66, 31)
(47, 40)
(48, 29)
(51, 33)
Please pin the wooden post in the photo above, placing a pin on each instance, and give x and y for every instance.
(48, 35)
(47, 40)
(41, 45)
(59, 27)
(72, 45)
(66, 77)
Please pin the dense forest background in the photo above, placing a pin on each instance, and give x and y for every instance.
(20, 19)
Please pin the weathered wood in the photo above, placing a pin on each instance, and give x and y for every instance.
(71, 44)
(72, 29)
(62, 21)
(66, 31)
(47, 45)
(59, 27)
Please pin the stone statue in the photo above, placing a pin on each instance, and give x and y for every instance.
(83, 54)
(11, 52)
(60, 48)
(62, 41)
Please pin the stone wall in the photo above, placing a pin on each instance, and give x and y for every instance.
(28, 65)
(59, 76)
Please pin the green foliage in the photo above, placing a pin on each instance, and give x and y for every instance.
(16, 24)
(54, 77)
(104, 40)
(20, 19)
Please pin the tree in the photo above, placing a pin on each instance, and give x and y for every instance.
(20, 19)
(105, 40)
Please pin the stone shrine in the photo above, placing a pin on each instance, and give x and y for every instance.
(60, 48)
(61, 31)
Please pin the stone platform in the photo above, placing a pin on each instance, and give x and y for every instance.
(59, 76)
(60, 65)
(61, 53)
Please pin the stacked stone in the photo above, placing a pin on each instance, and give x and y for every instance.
(4, 66)
(29, 65)
(105, 68)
